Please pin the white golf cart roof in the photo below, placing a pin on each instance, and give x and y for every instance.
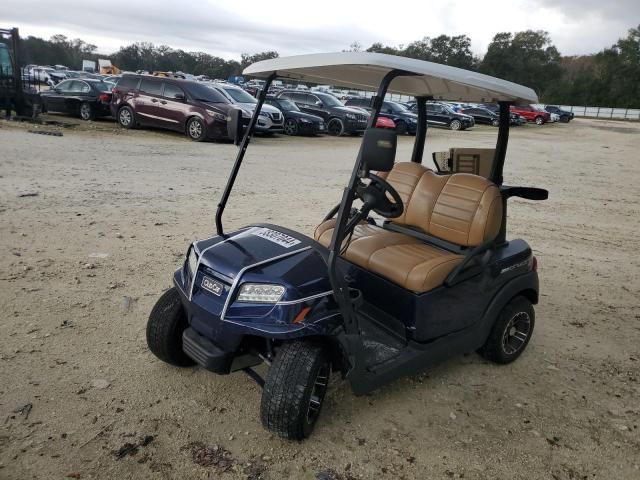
(364, 70)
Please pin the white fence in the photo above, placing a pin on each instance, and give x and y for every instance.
(604, 112)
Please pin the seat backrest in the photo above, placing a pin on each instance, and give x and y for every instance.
(462, 208)
(477, 161)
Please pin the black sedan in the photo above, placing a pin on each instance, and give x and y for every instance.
(483, 115)
(406, 121)
(88, 98)
(565, 115)
(297, 122)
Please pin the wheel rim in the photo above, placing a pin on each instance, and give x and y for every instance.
(195, 129)
(539, 121)
(85, 111)
(125, 117)
(401, 127)
(495, 123)
(290, 127)
(335, 127)
(455, 125)
(317, 393)
(516, 333)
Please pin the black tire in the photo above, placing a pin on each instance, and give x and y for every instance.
(401, 127)
(539, 120)
(166, 323)
(335, 127)
(455, 124)
(495, 122)
(291, 127)
(294, 389)
(126, 117)
(196, 129)
(511, 332)
(86, 111)
(564, 118)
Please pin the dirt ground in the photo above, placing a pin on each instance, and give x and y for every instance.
(84, 260)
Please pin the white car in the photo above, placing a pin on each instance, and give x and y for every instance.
(40, 74)
(554, 117)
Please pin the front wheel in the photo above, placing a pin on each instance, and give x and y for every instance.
(335, 127)
(294, 389)
(455, 125)
(165, 326)
(86, 111)
(511, 332)
(196, 129)
(291, 127)
(495, 122)
(539, 120)
(401, 128)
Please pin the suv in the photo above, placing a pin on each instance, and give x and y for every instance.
(405, 120)
(185, 106)
(338, 118)
(532, 114)
(565, 116)
(442, 115)
(270, 119)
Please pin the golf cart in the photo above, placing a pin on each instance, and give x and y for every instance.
(373, 298)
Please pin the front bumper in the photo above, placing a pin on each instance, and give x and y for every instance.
(268, 124)
(351, 126)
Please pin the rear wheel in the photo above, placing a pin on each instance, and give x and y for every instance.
(564, 119)
(291, 127)
(86, 111)
(196, 129)
(401, 128)
(294, 389)
(126, 117)
(335, 127)
(165, 326)
(495, 122)
(539, 120)
(511, 332)
(455, 124)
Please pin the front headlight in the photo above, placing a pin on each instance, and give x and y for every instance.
(260, 293)
(192, 262)
(217, 115)
(304, 120)
(350, 116)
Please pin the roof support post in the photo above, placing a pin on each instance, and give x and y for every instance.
(421, 131)
(501, 143)
(240, 156)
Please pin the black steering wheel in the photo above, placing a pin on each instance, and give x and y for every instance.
(375, 196)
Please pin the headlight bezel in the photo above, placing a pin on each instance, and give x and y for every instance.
(266, 293)
(192, 262)
(217, 115)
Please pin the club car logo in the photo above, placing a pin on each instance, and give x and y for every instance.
(212, 286)
(274, 236)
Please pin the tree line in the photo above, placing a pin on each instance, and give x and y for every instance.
(609, 78)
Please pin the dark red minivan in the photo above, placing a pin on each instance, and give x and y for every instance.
(185, 106)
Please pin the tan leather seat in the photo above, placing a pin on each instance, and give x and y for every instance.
(462, 209)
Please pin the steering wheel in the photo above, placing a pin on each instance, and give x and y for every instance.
(375, 196)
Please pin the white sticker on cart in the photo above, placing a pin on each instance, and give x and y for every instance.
(274, 236)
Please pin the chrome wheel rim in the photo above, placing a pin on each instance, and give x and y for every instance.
(125, 117)
(455, 125)
(317, 393)
(539, 121)
(290, 127)
(195, 129)
(516, 333)
(85, 111)
(335, 127)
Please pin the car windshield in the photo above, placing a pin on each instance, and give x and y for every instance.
(329, 100)
(288, 105)
(397, 108)
(239, 95)
(203, 93)
(102, 86)
(447, 108)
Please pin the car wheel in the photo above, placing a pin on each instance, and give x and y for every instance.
(86, 111)
(455, 124)
(564, 119)
(401, 128)
(495, 122)
(511, 332)
(196, 129)
(335, 127)
(126, 117)
(294, 389)
(539, 120)
(165, 326)
(291, 127)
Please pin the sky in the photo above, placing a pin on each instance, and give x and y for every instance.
(228, 28)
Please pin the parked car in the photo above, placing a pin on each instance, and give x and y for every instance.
(84, 97)
(441, 115)
(405, 120)
(40, 74)
(270, 120)
(565, 116)
(340, 120)
(297, 122)
(532, 114)
(516, 120)
(385, 122)
(483, 115)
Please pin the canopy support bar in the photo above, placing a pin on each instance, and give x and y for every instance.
(501, 143)
(240, 156)
(421, 131)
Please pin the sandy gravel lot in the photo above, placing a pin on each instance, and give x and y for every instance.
(83, 262)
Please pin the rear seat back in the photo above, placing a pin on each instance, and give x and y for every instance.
(463, 209)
